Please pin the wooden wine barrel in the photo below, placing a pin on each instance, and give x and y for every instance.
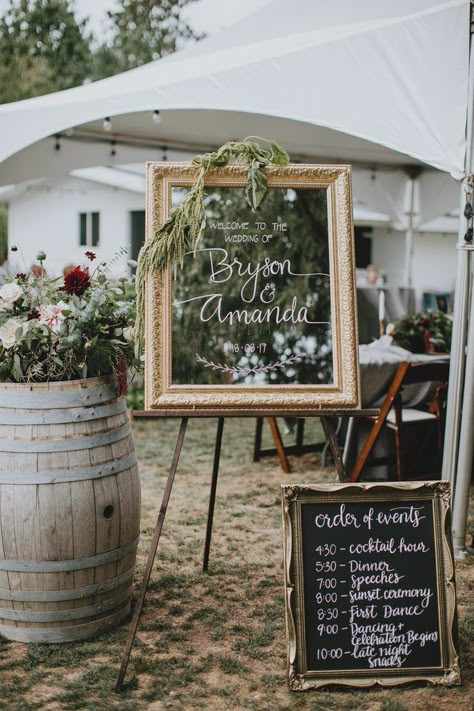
(69, 510)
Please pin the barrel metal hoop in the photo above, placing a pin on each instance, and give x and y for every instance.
(61, 566)
(60, 417)
(97, 471)
(76, 613)
(43, 399)
(71, 594)
(53, 635)
(65, 445)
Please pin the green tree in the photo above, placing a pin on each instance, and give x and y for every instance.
(141, 31)
(43, 48)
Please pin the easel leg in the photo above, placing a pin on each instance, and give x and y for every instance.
(212, 496)
(275, 430)
(330, 433)
(151, 557)
(257, 444)
(299, 435)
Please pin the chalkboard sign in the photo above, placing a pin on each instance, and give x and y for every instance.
(370, 594)
(261, 316)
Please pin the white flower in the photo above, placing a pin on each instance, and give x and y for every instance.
(52, 315)
(390, 329)
(11, 292)
(8, 331)
(129, 333)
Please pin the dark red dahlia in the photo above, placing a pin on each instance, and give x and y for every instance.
(77, 281)
(21, 277)
(33, 314)
(91, 255)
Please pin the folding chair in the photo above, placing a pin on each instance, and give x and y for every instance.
(282, 450)
(395, 416)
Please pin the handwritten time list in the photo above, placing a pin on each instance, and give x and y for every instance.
(369, 586)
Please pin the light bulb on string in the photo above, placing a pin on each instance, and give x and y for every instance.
(57, 145)
(165, 155)
(113, 150)
(156, 116)
(107, 125)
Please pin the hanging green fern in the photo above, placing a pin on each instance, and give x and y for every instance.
(184, 227)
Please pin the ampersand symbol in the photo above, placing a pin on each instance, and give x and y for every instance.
(267, 294)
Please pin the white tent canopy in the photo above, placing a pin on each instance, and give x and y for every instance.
(367, 82)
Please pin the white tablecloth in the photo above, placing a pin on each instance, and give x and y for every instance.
(378, 364)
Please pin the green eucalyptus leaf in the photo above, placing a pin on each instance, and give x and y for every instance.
(257, 185)
(16, 370)
(279, 155)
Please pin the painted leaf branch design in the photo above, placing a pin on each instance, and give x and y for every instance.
(238, 370)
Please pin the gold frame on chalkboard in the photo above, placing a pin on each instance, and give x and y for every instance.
(343, 393)
(293, 496)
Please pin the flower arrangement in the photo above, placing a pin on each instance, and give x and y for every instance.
(422, 333)
(66, 329)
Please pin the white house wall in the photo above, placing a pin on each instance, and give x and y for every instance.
(47, 217)
(434, 259)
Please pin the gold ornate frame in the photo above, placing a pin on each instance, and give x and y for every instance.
(161, 394)
(293, 496)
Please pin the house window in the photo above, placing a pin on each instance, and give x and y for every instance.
(363, 246)
(89, 229)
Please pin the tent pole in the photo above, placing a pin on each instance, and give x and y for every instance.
(408, 270)
(458, 454)
(458, 356)
(466, 449)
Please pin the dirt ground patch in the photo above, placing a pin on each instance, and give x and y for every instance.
(210, 641)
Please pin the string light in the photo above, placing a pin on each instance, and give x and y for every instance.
(57, 145)
(113, 151)
(156, 116)
(165, 155)
(107, 125)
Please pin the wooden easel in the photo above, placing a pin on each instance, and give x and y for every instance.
(329, 431)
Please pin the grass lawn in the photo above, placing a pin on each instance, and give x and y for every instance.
(217, 640)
